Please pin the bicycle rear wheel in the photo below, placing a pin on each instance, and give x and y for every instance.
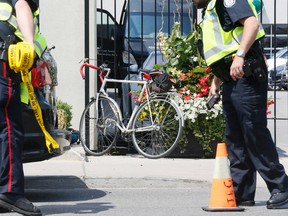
(98, 130)
(157, 127)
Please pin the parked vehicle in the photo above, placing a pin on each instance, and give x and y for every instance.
(278, 60)
(44, 81)
(278, 79)
(130, 40)
(277, 70)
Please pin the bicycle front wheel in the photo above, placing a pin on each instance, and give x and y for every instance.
(157, 127)
(98, 126)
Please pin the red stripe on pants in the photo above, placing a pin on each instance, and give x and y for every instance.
(9, 135)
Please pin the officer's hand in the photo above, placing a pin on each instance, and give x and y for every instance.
(236, 70)
(215, 86)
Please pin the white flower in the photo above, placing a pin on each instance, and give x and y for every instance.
(196, 106)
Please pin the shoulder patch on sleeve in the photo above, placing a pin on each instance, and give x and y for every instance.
(229, 3)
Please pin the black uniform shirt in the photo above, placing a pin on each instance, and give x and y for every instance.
(231, 11)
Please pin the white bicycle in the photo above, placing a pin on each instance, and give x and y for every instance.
(155, 126)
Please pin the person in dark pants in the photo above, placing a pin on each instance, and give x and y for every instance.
(17, 14)
(232, 48)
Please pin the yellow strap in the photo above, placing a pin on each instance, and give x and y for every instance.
(21, 57)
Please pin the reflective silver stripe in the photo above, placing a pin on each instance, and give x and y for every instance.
(211, 5)
(13, 22)
(36, 21)
(38, 45)
(221, 43)
(4, 13)
(221, 168)
(219, 49)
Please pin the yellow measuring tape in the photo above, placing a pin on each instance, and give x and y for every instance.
(21, 57)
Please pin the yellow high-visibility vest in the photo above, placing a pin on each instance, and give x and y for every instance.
(7, 16)
(216, 42)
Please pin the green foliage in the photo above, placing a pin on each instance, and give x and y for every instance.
(208, 130)
(192, 80)
(64, 111)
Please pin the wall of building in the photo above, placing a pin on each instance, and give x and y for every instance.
(62, 23)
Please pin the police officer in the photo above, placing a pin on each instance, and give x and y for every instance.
(231, 46)
(16, 19)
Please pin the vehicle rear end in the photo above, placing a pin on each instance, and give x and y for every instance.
(44, 81)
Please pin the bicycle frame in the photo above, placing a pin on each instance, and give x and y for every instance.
(150, 126)
(123, 128)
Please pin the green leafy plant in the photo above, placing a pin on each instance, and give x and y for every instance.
(192, 80)
(64, 113)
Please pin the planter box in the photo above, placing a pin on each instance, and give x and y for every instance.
(194, 150)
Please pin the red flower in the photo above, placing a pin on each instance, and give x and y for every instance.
(204, 80)
(182, 77)
(207, 69)
(205, 90)
(269, 102)
(187, 97)
(189, 74)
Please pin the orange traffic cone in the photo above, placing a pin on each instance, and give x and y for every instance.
(222, 193)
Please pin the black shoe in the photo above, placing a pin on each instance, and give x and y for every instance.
(3, 210)
(18, 203)
(245, 203)
(278, 200)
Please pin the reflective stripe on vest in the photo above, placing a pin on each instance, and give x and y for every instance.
(39, 40)
(218, 43)
(40, 44)
(5, 11)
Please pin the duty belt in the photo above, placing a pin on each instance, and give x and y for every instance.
(221, 68)
(2, 51)
(4, 45)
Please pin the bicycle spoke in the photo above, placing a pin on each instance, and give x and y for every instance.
(98, 130)
(165, 119)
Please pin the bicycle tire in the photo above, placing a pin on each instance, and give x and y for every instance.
(102, 137)
(156, 135)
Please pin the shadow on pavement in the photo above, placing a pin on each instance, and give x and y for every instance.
(64, 194)
(59, 188)
(90, 208)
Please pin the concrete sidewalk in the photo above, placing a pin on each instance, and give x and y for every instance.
(74, 162)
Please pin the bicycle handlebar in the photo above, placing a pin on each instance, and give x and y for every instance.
(87, 65)
(102, 68)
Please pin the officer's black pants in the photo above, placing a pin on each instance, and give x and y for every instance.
(11, 135)
(249, 142)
